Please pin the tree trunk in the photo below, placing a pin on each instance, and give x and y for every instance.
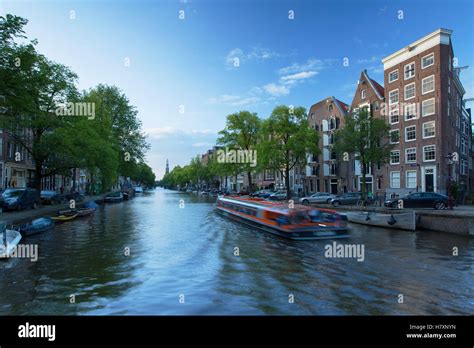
(38, 176)
(74, 180)
(287, 181)
(249, 176)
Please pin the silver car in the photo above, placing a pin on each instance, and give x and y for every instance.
(318, 197)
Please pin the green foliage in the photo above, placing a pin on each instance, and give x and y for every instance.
(285, 140)
(366, 138)
(32, 88)
(241, 133)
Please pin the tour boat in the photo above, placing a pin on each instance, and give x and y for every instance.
(9, 239)
(400, 221)
(36, 226)
(299, 222)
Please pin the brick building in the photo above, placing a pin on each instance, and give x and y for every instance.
(325, 172)
(369, 94)
(424, 105)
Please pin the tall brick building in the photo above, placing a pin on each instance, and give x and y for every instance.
(369, 94)
(326, 172)
(424, 98)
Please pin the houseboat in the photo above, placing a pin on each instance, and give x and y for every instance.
(300, 222)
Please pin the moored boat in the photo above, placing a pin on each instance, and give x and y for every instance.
(113, 197)
(65, 217)
(80, 212)
(297, 223)
(36, 226)
(400, 221)
(9, 239)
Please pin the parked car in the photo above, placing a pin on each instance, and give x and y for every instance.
(19, 199)
(51, 197)
(318, 197)
(346, 199)
(420, 200)
(277, 196)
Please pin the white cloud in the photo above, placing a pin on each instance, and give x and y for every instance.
(234, 100)
(290, 79)
(202, 144)
(312, 64)
(276, 90)
(256, 53)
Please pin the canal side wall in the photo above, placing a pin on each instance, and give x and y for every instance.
(25, 216)
(455, 221)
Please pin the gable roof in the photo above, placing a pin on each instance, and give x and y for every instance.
(378, 89)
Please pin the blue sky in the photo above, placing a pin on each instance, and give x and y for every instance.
(182, 77)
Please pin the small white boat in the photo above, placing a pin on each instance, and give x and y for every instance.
(138, 189)
(9, 239)
(401, 221)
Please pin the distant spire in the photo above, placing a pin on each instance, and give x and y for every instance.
(167, 167)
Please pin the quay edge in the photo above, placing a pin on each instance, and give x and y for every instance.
(25, 216)
(460, 222)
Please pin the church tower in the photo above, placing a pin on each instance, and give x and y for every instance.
(167, 167)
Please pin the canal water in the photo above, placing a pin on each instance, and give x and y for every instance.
(182, 261)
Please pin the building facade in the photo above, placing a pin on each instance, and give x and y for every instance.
(325, 172)
(16, 164)
(369, 94)
(424, 107)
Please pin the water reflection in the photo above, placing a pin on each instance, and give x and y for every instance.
(190, 251)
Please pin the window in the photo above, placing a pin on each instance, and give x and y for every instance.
(410, 179)
(449, 85)
(395, 157)
(393, 76)
(393, 97)
(428, 129)
(330, 108)
(410, 91)
(394, 136)
(427, 84)
(394, 111)
(410, 155)
(362, 94)
(427, 61)
(449, 107)
(428, 107)
(410, 133)
(410, 111)
(395, 179)
(429, 153)
(409, 70)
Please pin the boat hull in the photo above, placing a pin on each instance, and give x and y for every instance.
(64, 218)
(323, 233)
(13, 239)
(37, 226)
(402, 221)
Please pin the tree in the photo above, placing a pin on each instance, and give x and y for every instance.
(286, 138)
(241, 133)
(367, 138)
(32, 87)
